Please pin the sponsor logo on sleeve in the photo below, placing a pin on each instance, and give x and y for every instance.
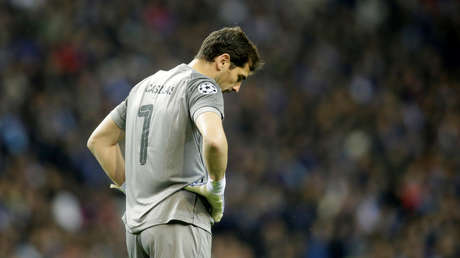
(207, 88)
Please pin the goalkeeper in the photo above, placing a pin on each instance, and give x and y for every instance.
(173, 170)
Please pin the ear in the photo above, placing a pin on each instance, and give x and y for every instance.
(222, 61)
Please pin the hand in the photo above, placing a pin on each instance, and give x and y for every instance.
(121, 188)
(213, 191)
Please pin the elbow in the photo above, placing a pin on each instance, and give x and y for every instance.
(91, 143)
(217, 144)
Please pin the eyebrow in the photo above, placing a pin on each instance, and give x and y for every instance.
(241, 77)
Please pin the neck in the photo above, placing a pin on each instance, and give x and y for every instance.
(204, 67)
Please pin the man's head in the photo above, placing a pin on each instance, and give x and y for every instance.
(233, 55)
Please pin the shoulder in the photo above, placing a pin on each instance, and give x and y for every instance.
(203, 84)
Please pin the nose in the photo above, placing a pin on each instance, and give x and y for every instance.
(237, 87)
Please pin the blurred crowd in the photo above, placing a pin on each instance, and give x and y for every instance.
(344, 145)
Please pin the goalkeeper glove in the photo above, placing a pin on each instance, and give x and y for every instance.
(213, 191)
(121, 188)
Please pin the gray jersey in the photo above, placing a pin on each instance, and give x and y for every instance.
(163, 147)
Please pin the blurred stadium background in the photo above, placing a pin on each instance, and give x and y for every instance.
(345, 145)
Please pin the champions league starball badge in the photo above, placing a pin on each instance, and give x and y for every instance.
(207, 88)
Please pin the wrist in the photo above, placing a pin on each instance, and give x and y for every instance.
(216, 186)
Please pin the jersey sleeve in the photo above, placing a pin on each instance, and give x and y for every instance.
(203, 110)
(205, 94)
(118, 114)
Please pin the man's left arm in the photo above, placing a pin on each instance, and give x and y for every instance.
(103, 144)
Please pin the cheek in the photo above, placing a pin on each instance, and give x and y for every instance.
(230, 78)
(234, 77)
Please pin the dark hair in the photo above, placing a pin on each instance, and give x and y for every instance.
(233, 41)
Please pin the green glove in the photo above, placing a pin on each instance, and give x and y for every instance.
(213, 191)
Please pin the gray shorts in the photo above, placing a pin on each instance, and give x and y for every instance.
(172, 240)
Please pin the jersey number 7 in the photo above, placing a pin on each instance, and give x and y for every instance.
(146, 112)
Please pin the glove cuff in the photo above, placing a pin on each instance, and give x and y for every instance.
(216, 186)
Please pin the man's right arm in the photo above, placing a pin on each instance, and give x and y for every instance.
(103, 144)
